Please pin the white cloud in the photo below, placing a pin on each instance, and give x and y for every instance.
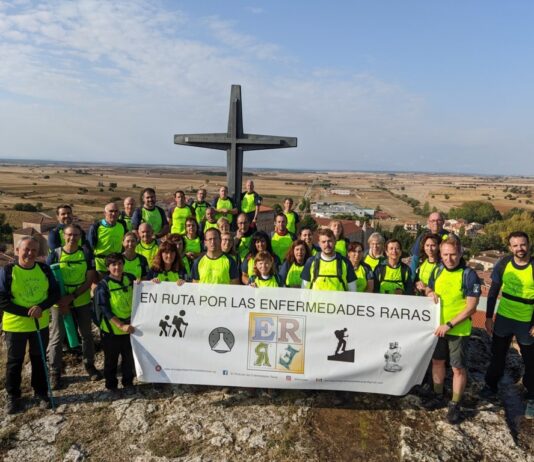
(114, 81)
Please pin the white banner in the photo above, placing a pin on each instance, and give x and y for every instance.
(281, 338)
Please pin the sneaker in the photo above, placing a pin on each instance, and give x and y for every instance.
(43, 401)
(435, 402)
(13, 405)
(488, 393)
(454, 415)
(56, 383)
(529, 410)
(94, 374)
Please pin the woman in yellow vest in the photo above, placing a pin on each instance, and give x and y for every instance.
(342, 243)
(291, 270)
(178, 241)
(134, 263)
(375, 250)
(27, 291)
(113, 300)
(457, 287)
(306, 235)
(260, 242)
(363, 272)
(428, 260)
(192, 242)
(264, 272)
(167, 265)
(393, 276)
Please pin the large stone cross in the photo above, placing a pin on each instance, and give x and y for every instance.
(235, 142)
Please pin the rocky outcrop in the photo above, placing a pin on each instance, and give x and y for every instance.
(197, 423)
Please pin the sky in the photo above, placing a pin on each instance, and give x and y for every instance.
(364, 85)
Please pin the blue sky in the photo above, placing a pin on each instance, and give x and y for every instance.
(381, 85)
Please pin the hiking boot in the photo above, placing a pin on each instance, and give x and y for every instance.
(423, 391)
(129, 390)
(13, 405)
(488, 393)
(529, 410)
(43, 401)
(94, 374)
(56, 383)
(435, 402)
(454, 414)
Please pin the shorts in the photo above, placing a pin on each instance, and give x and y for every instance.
(453, 348)
(505, 327)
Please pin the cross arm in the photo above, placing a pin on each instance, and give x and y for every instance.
(205, 140)
(250, 142)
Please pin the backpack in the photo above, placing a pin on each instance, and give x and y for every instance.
(339, 270)
(381, 272)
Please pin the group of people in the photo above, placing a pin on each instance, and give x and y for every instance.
(91, 277)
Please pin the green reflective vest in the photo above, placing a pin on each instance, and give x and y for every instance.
(179, 215)
(341, 247)
(448, 285)
(168, 276)
(134, 266)
(200, 210)
(224, 204)
(361, 278)
(109, 240)
(293, 278)
(244, 246)
(372, 261)
(153, 218)
(29, 287)
(120, 302)
(281, 244)
(291, 221)
(425, 270)
(73, 267)
(209, 225)
(260, 282)
(517, 293)
(214, 270)
(192, 245)
(149, 251)
(248, 203)
(328, 275)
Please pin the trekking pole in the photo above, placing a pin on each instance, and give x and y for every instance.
(43, 357)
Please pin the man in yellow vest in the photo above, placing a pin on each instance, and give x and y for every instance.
(292, 216)
(224, 205)
(64, 217)
(150, 213)
(105, 236)
(513, 276)
(281, 238)
(215, 267)
(147, 245)
(180, 212)
(250, 202)
(127, 213)
(113, 303)
(77, 272)
(243, 236)
(328, 270)
(200, 205)
(458, 289)
(27, 291)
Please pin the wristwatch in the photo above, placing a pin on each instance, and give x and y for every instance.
(450, 324)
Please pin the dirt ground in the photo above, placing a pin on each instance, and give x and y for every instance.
(89, 187)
